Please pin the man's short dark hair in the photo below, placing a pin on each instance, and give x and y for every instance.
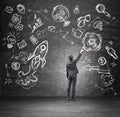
(70, 57)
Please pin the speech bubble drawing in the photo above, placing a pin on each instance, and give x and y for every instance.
(20, 8)
(9, 9)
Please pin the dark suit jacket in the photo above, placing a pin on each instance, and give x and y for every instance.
(71, 67)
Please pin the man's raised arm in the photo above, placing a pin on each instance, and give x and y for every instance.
(80, 53)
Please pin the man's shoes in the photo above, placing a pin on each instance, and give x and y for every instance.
(68, 99)
(73, 99)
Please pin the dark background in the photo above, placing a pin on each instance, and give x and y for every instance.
(52, 79)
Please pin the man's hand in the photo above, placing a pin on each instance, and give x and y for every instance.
(81, 51)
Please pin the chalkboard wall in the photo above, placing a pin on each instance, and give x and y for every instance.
(37, 36)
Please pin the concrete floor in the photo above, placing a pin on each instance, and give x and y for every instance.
(60, 107)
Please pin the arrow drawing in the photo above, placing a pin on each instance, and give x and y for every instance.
(91, 68)
(88, 67)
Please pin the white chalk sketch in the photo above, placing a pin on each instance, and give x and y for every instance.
(92, 41)
(65, 35)
(9, 9)
(82, 20)
(106, 88)
(61, 13)
(77, 32)
(94, 20)
(90, 68)
(16, 18)
(28, 81)
(110, 42)
(7, 81)
(11, 38)
(113, 18)
(41, 50)
(98, 25)
(100, 8)
(22, 44)
(6, 66)
(23, 56)
(113, 64)
(19, 27)
(34, 40)
(35, 63)
(39, 53)
(11, 24)
(76, 10)
(34, 78)
(108, 79)
(87, 60)
(102, 61)
(20, 8)
(41, 33)
(36, 23)
(9, 46)
(15, 66)
(22, 73)
(51, 28)
(41, 12)
(45, 10)
(111, 52)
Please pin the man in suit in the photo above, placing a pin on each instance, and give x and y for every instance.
(72, 72)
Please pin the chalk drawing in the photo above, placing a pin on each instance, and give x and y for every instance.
(111, 52)
(39, 53)
(90, 68)
(61, 13)
(15, 65)
(102, 61)
(9, 9)
(34, 40)
(76, 10)
(22, 44)
(100, 8)
(98, 25)
(82, 20)
(36, 23)
(77, 32)
(92, 41)
(20, 8)
(108, 79)
(16, 18)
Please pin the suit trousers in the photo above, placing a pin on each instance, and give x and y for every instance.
(71, 84)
